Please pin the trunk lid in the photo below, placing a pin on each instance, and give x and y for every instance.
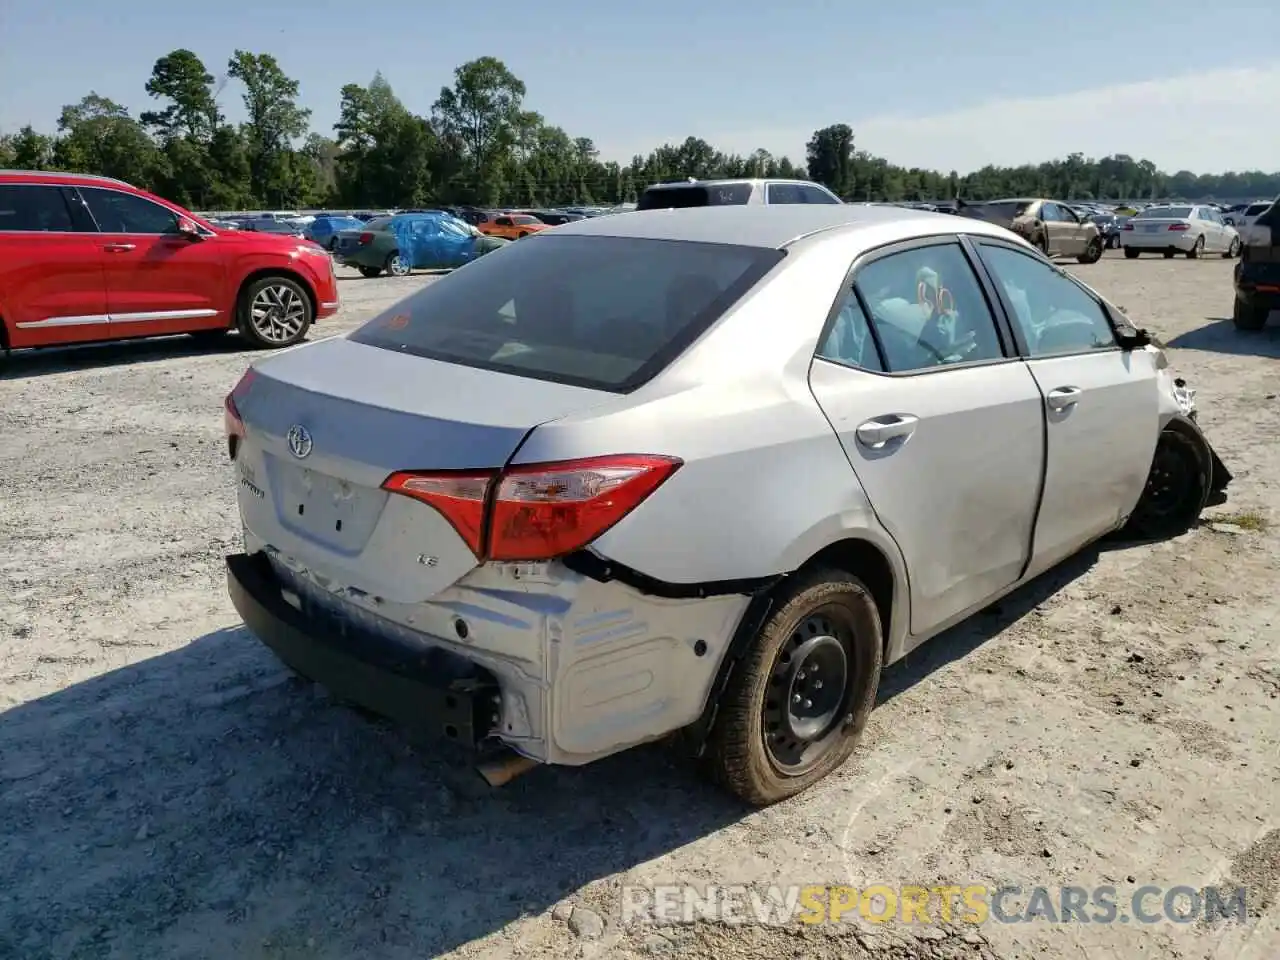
(347, 240)
(327, 423)
(1156, 224)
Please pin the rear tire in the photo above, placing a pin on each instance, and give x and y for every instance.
(1093, 252)
(1130, 253)
(274, 312)
(1196, 249)
(369, 272)
(1177, 490)
(1248, 317)
(769, 741)
(397, 265)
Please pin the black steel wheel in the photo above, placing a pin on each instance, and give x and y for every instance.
(795, 706)
(1177, 489)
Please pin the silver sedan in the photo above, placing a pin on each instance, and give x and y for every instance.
(703, 470)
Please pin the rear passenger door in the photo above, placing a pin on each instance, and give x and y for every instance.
(942, 425)
(1101, 402)
(52, 288)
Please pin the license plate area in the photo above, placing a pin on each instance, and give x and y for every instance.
(1151, 227)
(326, 509)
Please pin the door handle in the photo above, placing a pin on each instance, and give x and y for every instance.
(119, 247)
(1063, 397)
(879, 431)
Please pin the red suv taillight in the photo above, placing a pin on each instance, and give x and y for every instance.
(365, 238)
(1177, 226)
(1127, 226)
(538, 511)
(231, 421)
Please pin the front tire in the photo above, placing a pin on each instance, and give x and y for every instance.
(1093, 252)
(1196, 249)
(1177, 490)
(274, 312)
(1249, 317)
(778, 729)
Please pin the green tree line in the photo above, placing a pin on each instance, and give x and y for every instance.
(481, 144)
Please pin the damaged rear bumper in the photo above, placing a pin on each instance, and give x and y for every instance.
(428, 690)
(560, 666)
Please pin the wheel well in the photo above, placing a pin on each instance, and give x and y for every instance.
(868, 563)
(277, 272)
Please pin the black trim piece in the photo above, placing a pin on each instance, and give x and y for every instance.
(757, 612)
(596, 567)
(432, 689)
(1011, 343)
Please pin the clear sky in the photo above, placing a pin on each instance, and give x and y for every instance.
(1185, 83)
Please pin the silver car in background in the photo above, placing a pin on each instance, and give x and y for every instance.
(703, 470)
(1190, 229)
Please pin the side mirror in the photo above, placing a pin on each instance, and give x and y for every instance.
(188, 229)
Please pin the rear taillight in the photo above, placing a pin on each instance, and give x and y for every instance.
(231, 421)
(1127, 226)
(459, 497)
(538, 511)
(366, 238)
(1177, 226)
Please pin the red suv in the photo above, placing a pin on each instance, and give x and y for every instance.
(86, 258)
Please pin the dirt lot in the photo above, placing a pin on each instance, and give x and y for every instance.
(168, 791)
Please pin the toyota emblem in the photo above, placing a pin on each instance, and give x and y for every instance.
(300, 442)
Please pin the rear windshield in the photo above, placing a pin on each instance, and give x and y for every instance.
(1165, 213)
(1005, 209)
(608, 313)
(695, 195)
(378, 223)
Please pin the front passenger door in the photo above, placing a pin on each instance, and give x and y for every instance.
(159, 281)
(1101, 402)
(1053, 227)
(944, 432)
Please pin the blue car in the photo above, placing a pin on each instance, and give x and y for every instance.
(409, 241)
(324, 229)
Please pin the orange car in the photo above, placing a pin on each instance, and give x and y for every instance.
(511, 226)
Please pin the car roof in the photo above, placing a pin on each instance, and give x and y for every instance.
(60, 176)
(717, 181)
(769, 226)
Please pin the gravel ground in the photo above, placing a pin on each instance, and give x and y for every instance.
(167, 790)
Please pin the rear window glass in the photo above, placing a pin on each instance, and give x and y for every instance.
(1004, 209)
(378, 223)
(695, 195)
(607, 313)
(1164, 213)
